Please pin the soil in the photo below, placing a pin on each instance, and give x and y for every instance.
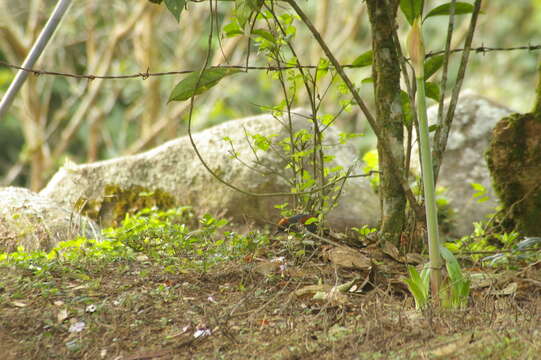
(253, 309)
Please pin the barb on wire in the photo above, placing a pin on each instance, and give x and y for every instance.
(145, 75)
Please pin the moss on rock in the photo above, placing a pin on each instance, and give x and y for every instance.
(514, 160)
(115, 202)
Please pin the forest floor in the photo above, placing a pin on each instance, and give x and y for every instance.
(256, 308)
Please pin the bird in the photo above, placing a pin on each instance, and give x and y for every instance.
(292, 223)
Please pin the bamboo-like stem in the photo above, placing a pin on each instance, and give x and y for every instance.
(416, 50)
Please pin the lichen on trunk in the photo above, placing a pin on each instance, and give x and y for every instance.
(386, 75)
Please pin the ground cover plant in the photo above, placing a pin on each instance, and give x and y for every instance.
(167, 285)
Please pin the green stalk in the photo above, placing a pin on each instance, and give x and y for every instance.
(416, 50)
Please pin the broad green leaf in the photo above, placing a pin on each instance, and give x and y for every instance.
(368, 80)
(432, 65)
(175, 7)
(245, 8)
(264, 34)
(232, 29)
(412, 9)
(445, 9)
(365, 59)
(432, 90)
(186, 88)
(417, 287)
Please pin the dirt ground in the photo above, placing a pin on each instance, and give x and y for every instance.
(259, 308)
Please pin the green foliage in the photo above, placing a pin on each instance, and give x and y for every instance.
(454, 292)
(164, 237)
(371, 162)
(433, 64)
(419, 285)
(365, 59)
(480, 192)
(412, 9)
(445, 9)
(365, 230)
(197, 83)
(509, 249)
(245, 8)
(175, 7)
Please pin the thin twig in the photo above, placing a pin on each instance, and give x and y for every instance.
(383, 141)
(442, 133)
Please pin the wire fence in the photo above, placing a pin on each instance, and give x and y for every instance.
(145, 75)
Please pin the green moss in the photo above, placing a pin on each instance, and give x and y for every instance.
(514, 160)
(111, 208)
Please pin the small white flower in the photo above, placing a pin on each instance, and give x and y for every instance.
(77, 327)
(90, 308)
(280, 259)
(202, 332)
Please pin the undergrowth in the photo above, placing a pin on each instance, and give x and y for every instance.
(173, 238)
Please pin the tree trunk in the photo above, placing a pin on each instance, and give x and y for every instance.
(386, 74)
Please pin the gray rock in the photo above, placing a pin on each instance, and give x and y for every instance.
(36, 222)
(174, 169)
(464, 159)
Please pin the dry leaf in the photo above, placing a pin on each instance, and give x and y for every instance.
(414, 258)
(312, 289)
(510, 289)
(19, 304)
(62, 315)
(392, 251)
(348, 258)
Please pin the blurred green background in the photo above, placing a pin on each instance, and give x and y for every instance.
(56, 117)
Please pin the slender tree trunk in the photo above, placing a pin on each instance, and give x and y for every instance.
(386, 74)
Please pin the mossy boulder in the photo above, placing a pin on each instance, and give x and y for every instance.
(38, 223)
(514, 160)
(172, 175)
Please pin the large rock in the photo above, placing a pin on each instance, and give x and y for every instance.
(172, 170)
(514, 160)
(464, 160)
(36, 222)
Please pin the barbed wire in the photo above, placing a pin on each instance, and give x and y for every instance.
(147, 74)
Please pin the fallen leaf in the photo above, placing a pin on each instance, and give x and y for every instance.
(414, 258)
(481, 280)
(19, 304)
(267, 267)
(62, 315)
(510, 289)
(348, 258)
(312, 289)
(392, 251)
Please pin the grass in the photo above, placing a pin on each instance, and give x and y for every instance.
(132, 304)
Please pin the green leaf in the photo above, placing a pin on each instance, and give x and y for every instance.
(264, 34)
(186, 88)
(368, 80)
(245, 8)
(365, 59)
(417, 286)
(175, 7)
(445, 9)
(432, 90)
(432, 65)
(232, 29)
(411, 9)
